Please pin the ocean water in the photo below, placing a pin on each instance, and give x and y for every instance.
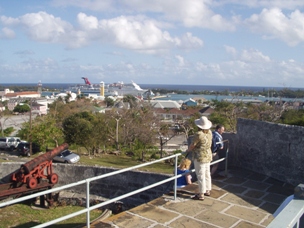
(183, 97)
(177, 97)
(191, 88)
(188, 88)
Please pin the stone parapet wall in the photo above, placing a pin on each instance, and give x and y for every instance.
(275, 150)
(116, 185)
(109, 187)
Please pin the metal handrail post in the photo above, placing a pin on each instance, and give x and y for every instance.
(226, 160)
(88, 203)
(175, 174)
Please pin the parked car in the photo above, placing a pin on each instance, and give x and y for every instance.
(9, 143)
(67, 156)
(24, 148)
(164, 138)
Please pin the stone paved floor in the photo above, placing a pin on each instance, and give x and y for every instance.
(242, 199)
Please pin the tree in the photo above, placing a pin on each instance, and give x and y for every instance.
(131, 100)
(109, 101)
(137, 127)
(85, 129)
(67, 98)
(2, 123)
(293, 117)
(44, 130)
(227, 112)
(22, 108)
(187, 126)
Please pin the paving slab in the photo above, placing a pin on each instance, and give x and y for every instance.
(183, 222)
(242, 200)
(236, 201)
(125, 219)
(217, 218)
(248, 214)
(154, 213)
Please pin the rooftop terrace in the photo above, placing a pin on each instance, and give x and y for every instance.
(241, 199)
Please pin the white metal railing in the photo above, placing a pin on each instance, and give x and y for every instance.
(290, 215)
(87, 182)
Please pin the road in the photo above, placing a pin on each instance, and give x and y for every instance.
(15, 121)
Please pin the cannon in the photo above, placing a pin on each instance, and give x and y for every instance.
(34, 175)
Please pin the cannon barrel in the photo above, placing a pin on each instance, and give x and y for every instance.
(48, 156)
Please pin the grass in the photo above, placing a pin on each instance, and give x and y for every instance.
(123, 161)
(14, 216)
(114, 161)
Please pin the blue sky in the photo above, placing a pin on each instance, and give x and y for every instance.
(193, 42)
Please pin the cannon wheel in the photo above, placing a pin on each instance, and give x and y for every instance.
(53, 178)
(31, 182)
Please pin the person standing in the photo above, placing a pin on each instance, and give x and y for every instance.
(217, 144)
(201, 147)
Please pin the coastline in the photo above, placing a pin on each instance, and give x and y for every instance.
(188, 88)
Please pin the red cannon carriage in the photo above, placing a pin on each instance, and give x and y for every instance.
(33, 175)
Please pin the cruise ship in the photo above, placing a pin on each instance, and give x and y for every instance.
(113, 89)
(124, 89)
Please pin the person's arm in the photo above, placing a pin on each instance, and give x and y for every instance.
(188, 178)
(219, 143)
(191, 147)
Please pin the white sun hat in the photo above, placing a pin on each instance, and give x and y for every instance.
(203, 123)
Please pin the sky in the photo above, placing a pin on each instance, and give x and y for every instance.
(190, 42)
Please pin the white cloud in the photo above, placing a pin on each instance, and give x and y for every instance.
(138, 33)
(190, 41)
(175, 31)
(275, 24)
(7, 33)
(254, 56)
(195, 13)
(230, 50)
(24, 53)
(142, 34)
(8, 21)
(45, 27)
(191, 13)
(181, 61)
(87, 22)
(283, 4)
(95, 5)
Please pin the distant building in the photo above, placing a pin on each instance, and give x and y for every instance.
(121, 104)
(28, 94)
(39, 106)
(5, 91)
(206, 111)
(165, 104)
(237, 100)
(174, 114)
(190, 102)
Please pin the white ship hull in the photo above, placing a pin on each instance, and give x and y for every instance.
(114, 89)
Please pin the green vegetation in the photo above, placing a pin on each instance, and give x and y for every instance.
(19, 88)
(293, 117)
(14, 216)
(122, 138)
(22, 108)
(136, 129)
(124, 161)
(227, 113)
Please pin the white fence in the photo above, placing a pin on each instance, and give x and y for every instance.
(89, 180)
